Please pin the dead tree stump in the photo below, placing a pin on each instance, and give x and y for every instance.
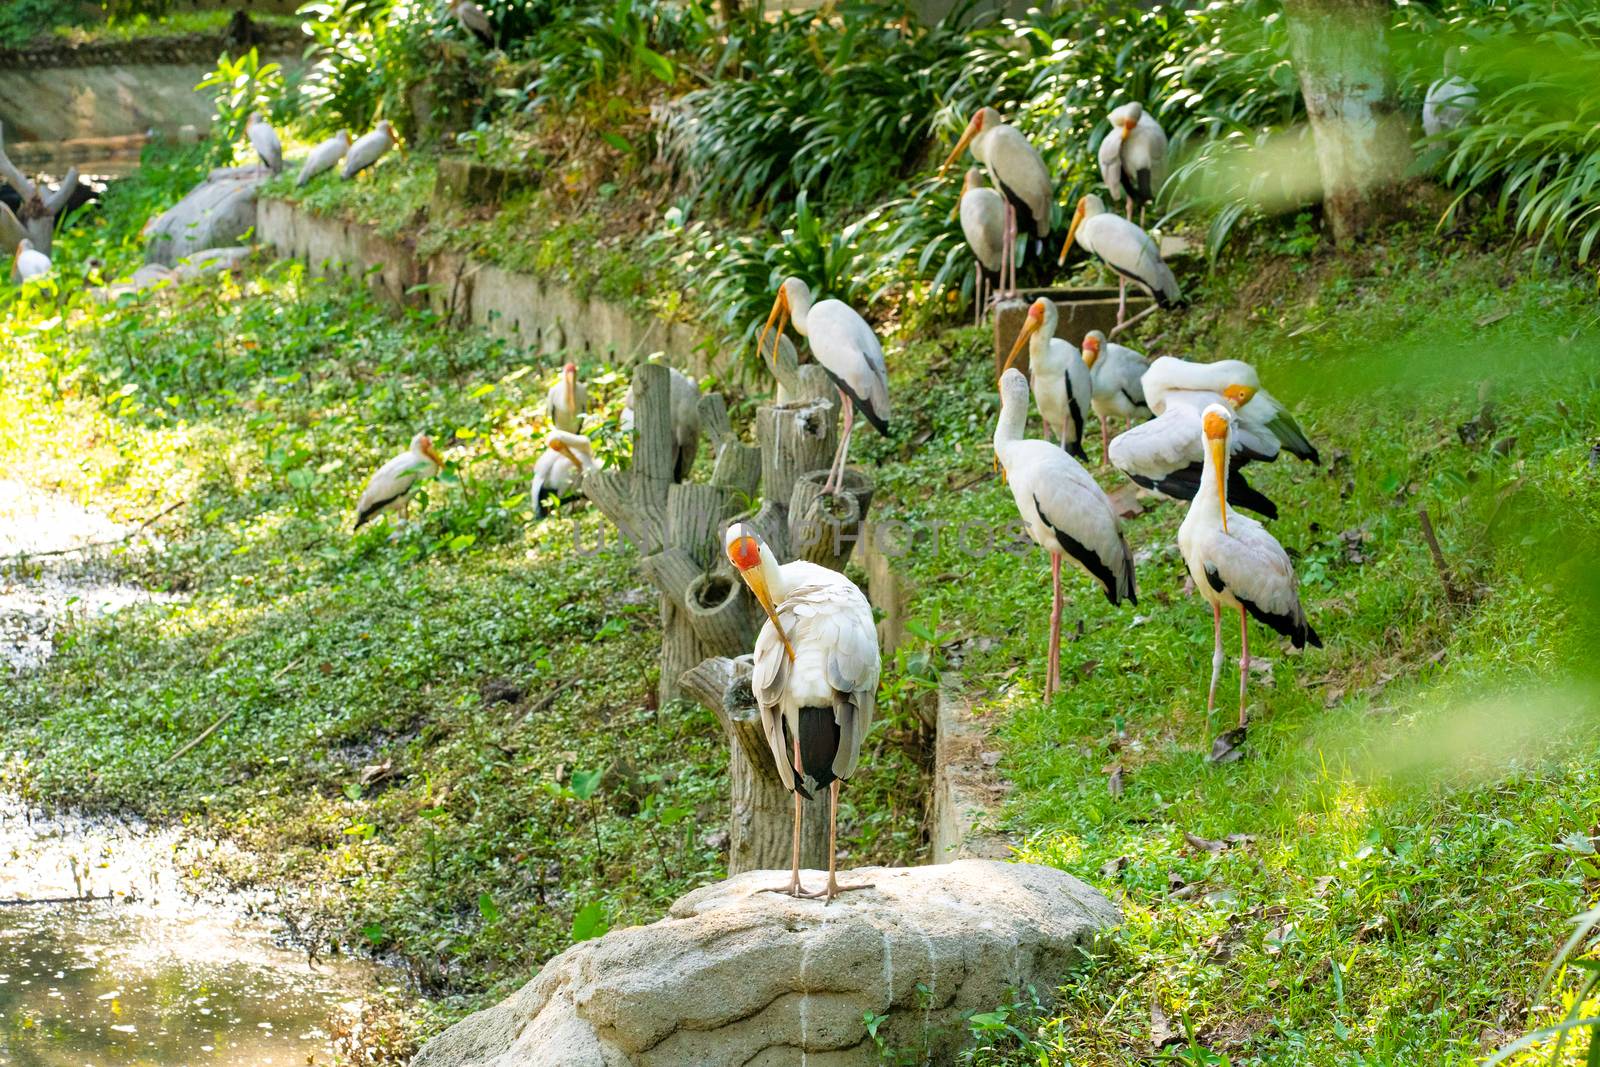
(760, 833)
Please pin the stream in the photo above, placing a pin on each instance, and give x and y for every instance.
(144, 973)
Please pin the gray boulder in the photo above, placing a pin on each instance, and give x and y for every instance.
(734, 975)
(217, 213)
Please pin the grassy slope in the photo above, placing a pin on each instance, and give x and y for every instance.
(1418, 793)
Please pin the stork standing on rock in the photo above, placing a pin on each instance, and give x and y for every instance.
(1066, 513)
(265, 141)
(324, 157)
(560, 471)
(567, 400)
(1061, 385)
(815, 680)
(983, 223)
(847, 350)
(391, 486)
(28, 262)
(1018, 171)
(1115, 373)
(1126, 249)
(1236, 563)
(368, 149)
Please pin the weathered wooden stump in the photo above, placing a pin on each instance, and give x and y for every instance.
(760, 834)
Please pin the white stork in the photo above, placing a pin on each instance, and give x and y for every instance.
(983, 223)
(28, 262)
(1449, 100)
(1165, 454)
(815, 678)
(685, 406)
(1126, 249)
(1236, 563)
(324, 157)
(560, 470)
(265, 141)
(1260, 411)
(471, 18)
(1133, 157)
(847, 350)
(567, 400)
(1114, 379)
(390, 486)
(1060, 379)
(1066, 513)
(368, 149)
(1018, 171)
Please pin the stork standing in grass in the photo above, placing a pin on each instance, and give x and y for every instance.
(471, 18)
(1061, 385)
(560, 471)
(1018, 171)
(265, 141)
(368, 149)
(983, 223)
(1115, 373)
(847, 350)
(1126, 249)
(1065, 511)
(1235, 563)
(815, 679)
(28, 262)
(567, 400)
(1258, 411)
(391, 486)
(324, 157)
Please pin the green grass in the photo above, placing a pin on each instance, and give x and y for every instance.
(1419, 795)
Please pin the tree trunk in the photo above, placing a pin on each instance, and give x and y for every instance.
(1341, 55)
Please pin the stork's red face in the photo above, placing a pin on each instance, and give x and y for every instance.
(569, 375)
(974, 127)
(425, 446)
(1239, 395)
(1091, 351)
(1030, 326)
(744, 553)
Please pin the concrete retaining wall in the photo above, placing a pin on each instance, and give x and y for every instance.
(546, 315)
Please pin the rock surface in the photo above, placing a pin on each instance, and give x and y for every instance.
(217, 213)
(736, 976)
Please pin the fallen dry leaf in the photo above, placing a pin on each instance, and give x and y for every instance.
(1114, 781)
(1161, 1032)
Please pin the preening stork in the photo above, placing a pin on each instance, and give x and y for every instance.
(847, 349)
(1260, 411)
(1449, 100)
(28, 262)
(368, 149)
(815, 679)
(567, 400)
(1133, 157)
(1018, 171)
(1126, 249)
(1065, 511)
(1165, 454)
(391, 485)
(1115, 373)
(1059, 376)
(685, 405)
(560, 470)
(983, 222)
(265, 141)
(1236, 563)
(471, 18)
(324, 157)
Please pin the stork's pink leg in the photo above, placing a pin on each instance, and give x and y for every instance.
(1105, 441)
(1122, 301)
(977, 293)
(1124, 325)
(1216, 659)
(1244, 662)
(835, 480)
(1010, 251)
(834, 888)
(1053, 666)
(793, 888)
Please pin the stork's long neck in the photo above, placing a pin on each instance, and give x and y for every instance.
(1012, 425)
(800, 313)
(772, 571)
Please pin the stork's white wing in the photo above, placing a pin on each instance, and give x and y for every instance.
(1052, 489)
(844, 344)
(1253, 565)
(321, 158)
(1111, 162)
(983, 221)
(1016, 164)
(265, 141)
(1131, 252)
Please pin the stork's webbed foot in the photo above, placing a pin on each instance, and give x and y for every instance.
(834, 889)
(793, 889)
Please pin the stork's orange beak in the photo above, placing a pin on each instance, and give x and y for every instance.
(1072, 231)
(1215, 428)
(758, 585)
(433, 454)
(961, 146)
(780, 315)
(1091, 353)
(1030, 326)
(570, 374)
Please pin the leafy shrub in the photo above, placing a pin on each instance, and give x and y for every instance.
(240, 86)
(21, 21)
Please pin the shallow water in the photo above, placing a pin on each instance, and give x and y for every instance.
(144, 974)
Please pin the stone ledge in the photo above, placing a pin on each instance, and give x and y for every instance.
(967, 793)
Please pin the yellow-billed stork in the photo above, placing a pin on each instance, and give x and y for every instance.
(1060, 378)
(983, 223)
(28, 262)
(324, 157)
(391, 485)
(1125, 248)
(1260, 411)
(567, 400)
(265, 141)
(1018, 171)
(1133, 157)
(368, 149)
(1115, 387)
(815, 679)
(559, 471)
